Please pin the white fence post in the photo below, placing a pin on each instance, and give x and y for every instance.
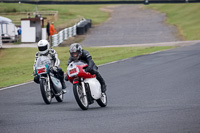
(64, 35)
(0, 41)
(54, 40)
(68, 32)
(74, 30)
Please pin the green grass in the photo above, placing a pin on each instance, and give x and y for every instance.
(68, 15)
(184, 16)
(17, 63)
(17, 68)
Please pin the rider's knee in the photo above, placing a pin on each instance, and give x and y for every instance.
(36, 79)
(60, 71)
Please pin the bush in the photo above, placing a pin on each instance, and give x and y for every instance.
(7, 10)
(14, 10)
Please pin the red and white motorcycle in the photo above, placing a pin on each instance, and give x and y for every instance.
(86, 87)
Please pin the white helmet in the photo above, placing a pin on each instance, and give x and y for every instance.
(43, 46)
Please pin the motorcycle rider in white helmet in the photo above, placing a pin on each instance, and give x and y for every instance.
(77, 53)
(45, 50)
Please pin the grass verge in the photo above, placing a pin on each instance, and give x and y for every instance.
(17, 63)
(68, 15)
(184, 16)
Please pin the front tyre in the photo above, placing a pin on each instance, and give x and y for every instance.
(103, 100)
(79, 96)
(46, 93)
(60, 97)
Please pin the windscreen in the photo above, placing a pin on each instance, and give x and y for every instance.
(43, 60)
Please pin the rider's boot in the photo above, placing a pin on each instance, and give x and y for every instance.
(102, 82)
(61, 77)
(63, 86)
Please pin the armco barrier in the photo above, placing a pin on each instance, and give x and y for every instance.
(83, 26)
(63, 35)
(0, 42)
(70, 32)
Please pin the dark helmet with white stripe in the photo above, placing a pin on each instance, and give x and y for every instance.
(75, 51)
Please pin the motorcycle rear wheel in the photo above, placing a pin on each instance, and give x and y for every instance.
(46, 94)
(103, 100)
(80, 98)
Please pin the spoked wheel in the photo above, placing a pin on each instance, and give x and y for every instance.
(60, 98)
(103, 100)
(80, 98)
(46, 93)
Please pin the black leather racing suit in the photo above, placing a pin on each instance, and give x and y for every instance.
(92, 68)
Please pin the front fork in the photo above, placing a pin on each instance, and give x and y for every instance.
(48, 82)
(76, 81)
(83, 86)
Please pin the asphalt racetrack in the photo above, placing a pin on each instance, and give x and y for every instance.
(132, 24)
(157, 93)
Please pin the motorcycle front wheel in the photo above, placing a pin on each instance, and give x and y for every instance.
(60, 98)
(79, 96)
(103, 100)
(46, 93)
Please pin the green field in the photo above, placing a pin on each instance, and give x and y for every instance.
(184, 16)
(17, 63)
(68, 15)
(17, 68)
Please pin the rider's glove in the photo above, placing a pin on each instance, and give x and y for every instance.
(55, 68)
(88, 69)
(34, 73)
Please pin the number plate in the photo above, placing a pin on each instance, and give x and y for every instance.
(73, 71)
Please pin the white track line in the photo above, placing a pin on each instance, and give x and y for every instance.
(9, 87)
(114, 62)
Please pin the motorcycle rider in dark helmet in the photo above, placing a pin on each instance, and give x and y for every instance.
(45, 50)
(77, 53)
